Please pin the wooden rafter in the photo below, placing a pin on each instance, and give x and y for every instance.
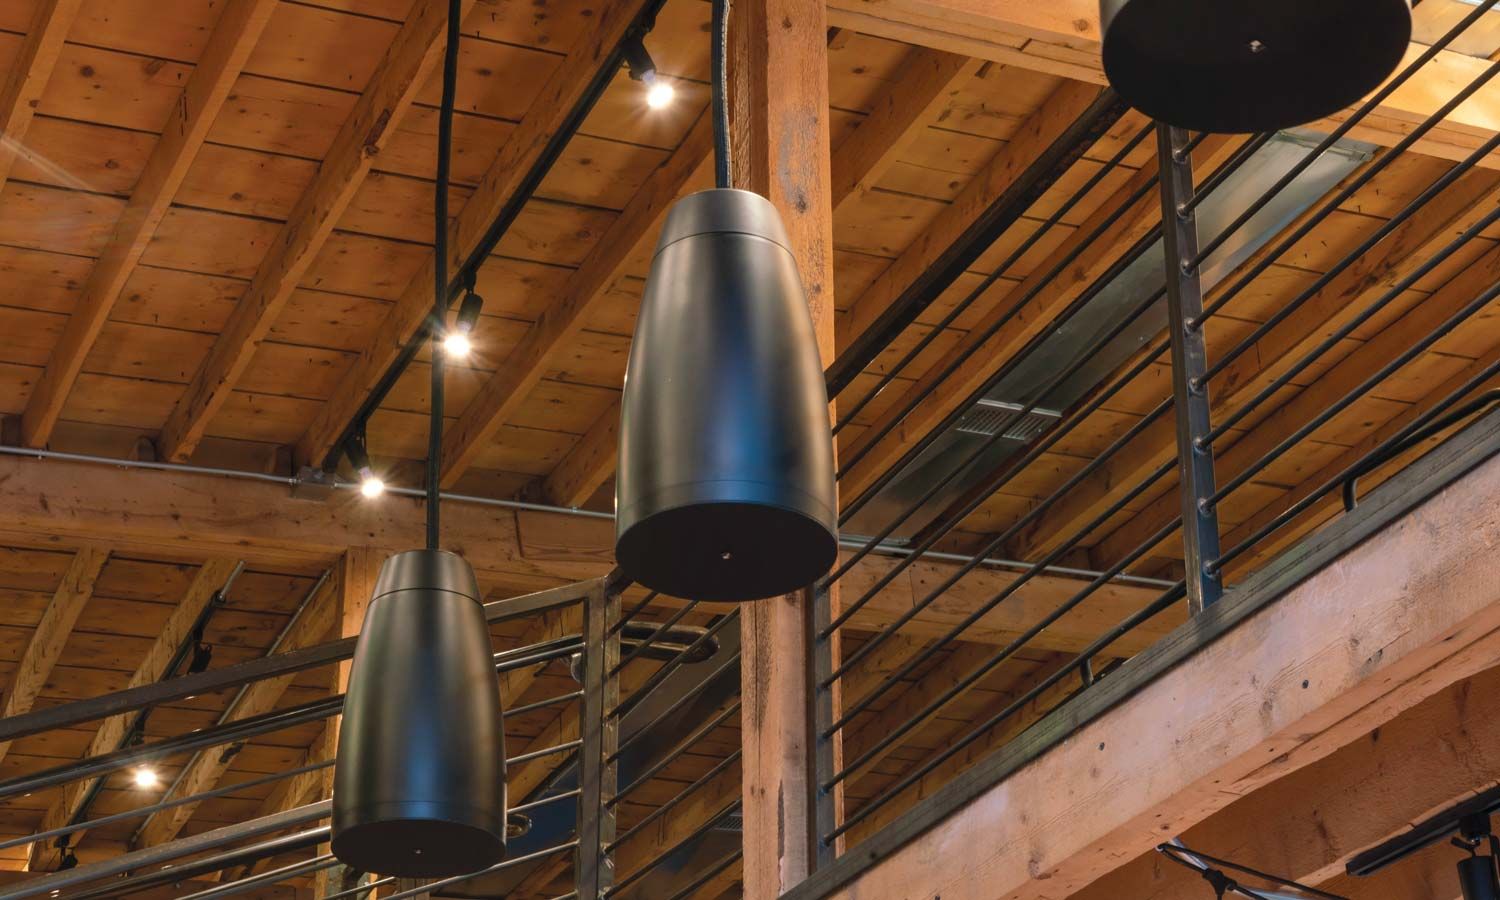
(561, 321)
(365, 133)
(210, 578)
(205, 770)
(234, 37)
(29, 74)
(588, 465)
(1368, 278)
(547, 114)
(51, 633)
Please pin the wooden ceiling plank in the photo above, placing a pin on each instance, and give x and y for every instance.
(29, 74)
(1369, 277)
(548, 114)
(372, 123)
(922, 93)
(589, 464)
(1285, 697)
(234, 38)
(51, 633)
(206, 769)
(209, 579)
(1120, 222)
(561, 321)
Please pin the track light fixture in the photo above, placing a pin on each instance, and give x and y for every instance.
(370, 484)
(419, 779)
(1250, 65)
(456, 342)
(659, 91)
(725, 488)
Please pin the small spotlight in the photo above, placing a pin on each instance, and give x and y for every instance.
(145, 777)
(457, 345)
(659, 91)
(369, 484)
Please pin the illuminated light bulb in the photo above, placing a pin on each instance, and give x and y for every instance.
(369, 485)
(457, 344)
(659, 92)
(145, 777)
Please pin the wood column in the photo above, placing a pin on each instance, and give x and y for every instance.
(358, 569)
(778, 68)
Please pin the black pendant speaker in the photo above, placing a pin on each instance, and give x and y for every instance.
(1233, 66)
(725, 488)
(419, 790)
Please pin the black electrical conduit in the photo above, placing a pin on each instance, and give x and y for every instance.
(609, 65)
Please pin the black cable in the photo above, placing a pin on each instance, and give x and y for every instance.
(723, 177)
(440, 270)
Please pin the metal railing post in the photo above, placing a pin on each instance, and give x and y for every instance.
(599, 731)
(1200, 522)
(823, 746)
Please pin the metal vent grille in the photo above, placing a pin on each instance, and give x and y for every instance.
(731, 822)
(988, 416)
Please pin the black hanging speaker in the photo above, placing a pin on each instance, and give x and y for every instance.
(725, 486)
(1234, 66)
(419, 786)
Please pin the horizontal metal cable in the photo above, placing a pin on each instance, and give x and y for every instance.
(674, 706)
(718, 768)
(708, 825)
(545, 751)
(697, 735)
(645, 645)
(660, 675)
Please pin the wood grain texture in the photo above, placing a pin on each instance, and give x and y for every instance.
(51, 634)
(29, 74)
(234, 38)
(365, 133)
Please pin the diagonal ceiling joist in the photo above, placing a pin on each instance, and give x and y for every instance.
(234, 37)
(29, 74)
(365, 133)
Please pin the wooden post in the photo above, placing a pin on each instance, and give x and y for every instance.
(358, 569)
(778, 68)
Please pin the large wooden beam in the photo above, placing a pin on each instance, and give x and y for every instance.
(210, 578)
(51, 633)
(205, 769)
(1308, 825)
(234, 37)
(499, 186)
(1366, 279)
(1063, 38)
(32, 69)
(560, 322)
(1269, 681)
(779, 67)
(372, 122)
(60, 503)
